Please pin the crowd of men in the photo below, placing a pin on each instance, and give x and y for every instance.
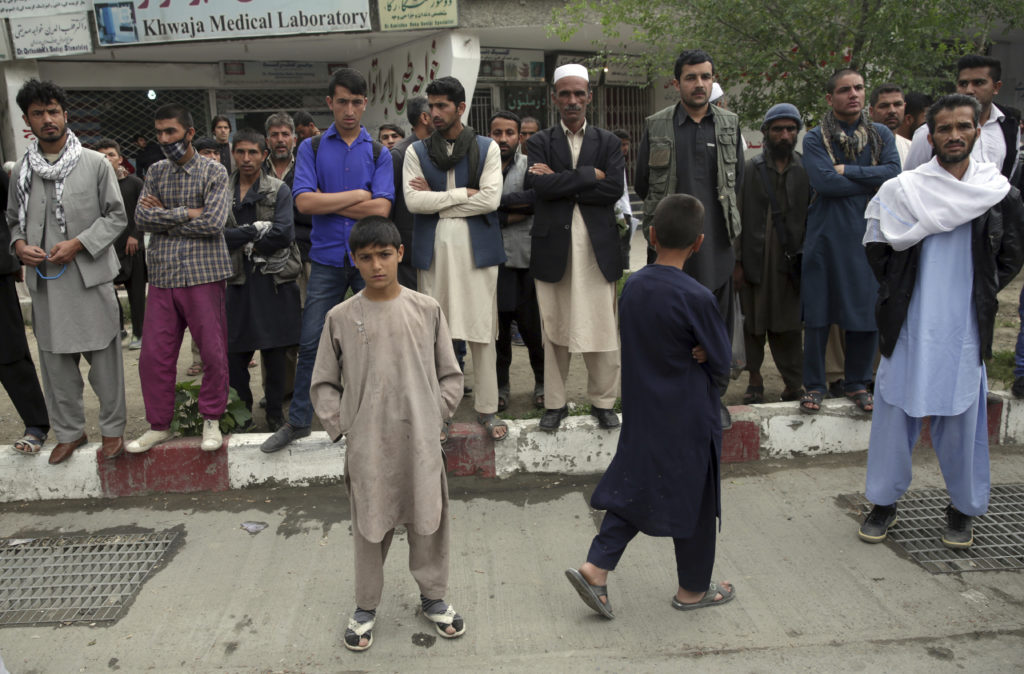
(880, 248)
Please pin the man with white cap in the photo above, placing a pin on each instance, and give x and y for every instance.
(943, 239)
(696, 148)
(577, 173)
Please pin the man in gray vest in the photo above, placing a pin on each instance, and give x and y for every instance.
(696, 148)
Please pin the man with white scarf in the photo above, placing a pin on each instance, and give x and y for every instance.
(942, 240)
(65, 212)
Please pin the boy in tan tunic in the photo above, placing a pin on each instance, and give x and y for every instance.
(386, 377)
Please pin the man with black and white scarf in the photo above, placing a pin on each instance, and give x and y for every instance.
(64, 212)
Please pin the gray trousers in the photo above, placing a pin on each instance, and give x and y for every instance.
(63, 386)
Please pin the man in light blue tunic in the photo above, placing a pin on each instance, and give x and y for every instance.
(942, 240)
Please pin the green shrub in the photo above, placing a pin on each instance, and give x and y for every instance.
(187, 419)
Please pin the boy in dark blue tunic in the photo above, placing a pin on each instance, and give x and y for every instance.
(664, 479)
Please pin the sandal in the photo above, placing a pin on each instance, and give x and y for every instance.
(356, 631)
(491, 423)
(194, 370)
(811, 398)
(538, 396)
(754, 395)
(443, 620)
(446, 427)
(502, 399)
(863, 400)
(708, 599)
(591, 594)
(30, 443)
(789, 396)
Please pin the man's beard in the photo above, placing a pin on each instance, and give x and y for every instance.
(780, 150)
(954, 158)
(281, 155)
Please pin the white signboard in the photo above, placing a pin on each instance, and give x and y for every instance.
(126, 22)
(51, 36)
(24, 8)
(511, 65)
(413, 14)
(292, 73)
(5, 46)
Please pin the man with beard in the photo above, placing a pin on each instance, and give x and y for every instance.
(773, 207)
(517, 296)
(888, 107)
(943, 239)
(452, 182)
(183, 206)
(221, 126)
(65, 211)
(914, 111)
(846, 158)
(527, 127)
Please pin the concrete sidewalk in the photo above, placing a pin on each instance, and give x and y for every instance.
(810, 596)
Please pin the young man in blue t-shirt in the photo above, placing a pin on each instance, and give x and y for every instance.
(340, 177)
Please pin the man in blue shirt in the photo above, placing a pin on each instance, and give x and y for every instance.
(340, 177)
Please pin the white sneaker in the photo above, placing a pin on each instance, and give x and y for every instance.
(212, 439)
(148, 440)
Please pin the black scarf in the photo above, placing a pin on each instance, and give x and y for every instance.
(437, 148)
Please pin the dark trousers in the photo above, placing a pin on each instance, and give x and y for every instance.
(860, 356)
(695, 556)
(18, 375)
(407, 272)
(275, 362)
(786, 350)
(526, 314)
(725, 297)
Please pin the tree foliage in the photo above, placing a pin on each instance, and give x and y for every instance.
(771, 51)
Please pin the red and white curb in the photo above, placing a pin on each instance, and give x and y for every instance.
(580, 447)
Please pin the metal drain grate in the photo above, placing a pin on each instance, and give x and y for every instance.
(75, 578)
(998, 535)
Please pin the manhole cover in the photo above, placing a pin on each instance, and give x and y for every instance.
(998, 535)
(75, 578)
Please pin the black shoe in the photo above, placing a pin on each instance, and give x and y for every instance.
(552, 419)
(605, 418)
(282, 437)
(959, 532)
(877, 524)
(836, 389)
(1018, 387)
(725, 416)
(274, 424)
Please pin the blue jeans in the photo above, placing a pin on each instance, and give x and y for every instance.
(1018, 355)
(326, 288)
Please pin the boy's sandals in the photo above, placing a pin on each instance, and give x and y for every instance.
(708, 599)
(446, 428)
(491, 423)
(754, 395)
(810, 402)
(538, 396)
(357, 631)
(29, 444)
(443, 620)
(863, 400)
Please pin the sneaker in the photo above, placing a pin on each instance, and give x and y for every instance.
(959, 532)
(135, 344)
(149, 439)
(282, 437)
(212, 439)
(1018, 387)
(877, 524)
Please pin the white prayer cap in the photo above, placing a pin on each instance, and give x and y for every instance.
(571, 70)
(716, 92)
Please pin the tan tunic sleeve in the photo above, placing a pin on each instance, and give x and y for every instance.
(449, 376)
(325, 388)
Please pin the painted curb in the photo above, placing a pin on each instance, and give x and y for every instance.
(579, 447)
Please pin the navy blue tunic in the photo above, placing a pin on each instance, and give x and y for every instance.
(671, 431)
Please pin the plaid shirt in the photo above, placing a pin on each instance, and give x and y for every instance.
(186, 252)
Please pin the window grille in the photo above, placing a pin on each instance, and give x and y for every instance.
(97, 114)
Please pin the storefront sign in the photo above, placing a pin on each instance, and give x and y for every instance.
(25, 8)
(51, 36)
(511, 65)
(292, 73)
(5, 47)
(126, 22)
(413, 14)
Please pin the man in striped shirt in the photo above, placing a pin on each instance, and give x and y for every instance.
(183, 206)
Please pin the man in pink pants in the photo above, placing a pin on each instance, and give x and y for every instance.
(184, 205)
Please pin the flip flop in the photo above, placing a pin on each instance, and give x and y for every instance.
(708, 599)
(356, 631)
(443, 620)
(591, 594)
(28, 444)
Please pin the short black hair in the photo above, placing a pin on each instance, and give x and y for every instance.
(887, 88)
(448, 87)
(350, 78)
(692, 57)
(220, 118)
(995, 67)
(303, 118)
(374, 230)
(830, 85)
(205, 143)
(414, 109)
(506, 114)
(281, 118)
(621, 134)
(391, 127)
(104, 143)
(916, 103)
(678, 221)
(178, 113)
(249, 136)
(952, 102)
(40, 91)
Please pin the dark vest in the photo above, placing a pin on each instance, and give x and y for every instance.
(1010, 126)
(484, 230)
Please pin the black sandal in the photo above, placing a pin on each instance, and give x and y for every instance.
(811, 398)
(863, 400)
(754, 395)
